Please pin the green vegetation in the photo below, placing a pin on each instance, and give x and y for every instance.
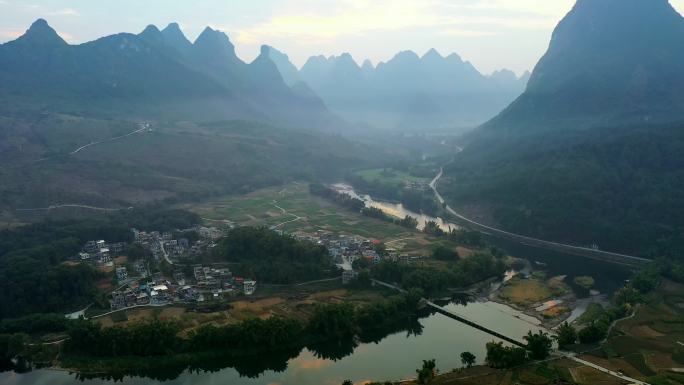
(273, 258)
(468, 359)
(427, 373)
(443, 253)
(500, 356)
(461, 236)
(327, 323)
(567, 335)
(538, 345)
(433, 280)
(178, 162)
(390, 176)
(418, 200)
(258, 209)
(617, 188)
(585, 282)
(33, 278)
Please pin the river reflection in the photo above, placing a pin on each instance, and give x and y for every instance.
(392, 355)
(396, 210)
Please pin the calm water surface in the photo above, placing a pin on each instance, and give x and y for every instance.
(395, 357)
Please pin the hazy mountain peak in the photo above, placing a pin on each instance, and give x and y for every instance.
(454, 57)
(212, 44)
(406, 56)
(432, 54)
(173, 27)
(151, 30)
(367, 65)
(174, 37)
(287, 70)
(41, 33)
(503, 75)
(347, 60)
(213, 37)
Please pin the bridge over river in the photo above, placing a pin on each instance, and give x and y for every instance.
(556, 355)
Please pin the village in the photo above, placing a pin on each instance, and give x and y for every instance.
(185, 281)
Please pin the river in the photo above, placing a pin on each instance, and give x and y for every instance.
(393, 357)
(396, 210)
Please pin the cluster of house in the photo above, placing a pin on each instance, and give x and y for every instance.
(346, 249)
(209, 283)
(165, 246)
(221, 281)
(100, 252)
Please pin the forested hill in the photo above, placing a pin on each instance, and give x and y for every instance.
(609, 62)
(622, 191)
(591, 152)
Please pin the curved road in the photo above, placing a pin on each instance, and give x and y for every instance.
(571, 249)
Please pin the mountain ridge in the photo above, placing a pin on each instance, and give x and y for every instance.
(154, 72)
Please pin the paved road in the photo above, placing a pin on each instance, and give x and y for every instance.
(604, 370)
(576, 250)
(52, 207)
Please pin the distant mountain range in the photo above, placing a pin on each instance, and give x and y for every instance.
(591, 151)
(406, 92)
(158, 73)
(162, 74)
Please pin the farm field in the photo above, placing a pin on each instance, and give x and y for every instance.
(650, 345)
(388, 176)
(293, 209)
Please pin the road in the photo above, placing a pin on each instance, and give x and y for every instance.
(166, 255)
(52, 207)
(143, 127)
(571, 249)
(604, 370)
(296, 217)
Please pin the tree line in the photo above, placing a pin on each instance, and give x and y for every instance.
(433, 281)
(327, 322)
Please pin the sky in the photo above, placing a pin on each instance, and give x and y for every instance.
(491, 34)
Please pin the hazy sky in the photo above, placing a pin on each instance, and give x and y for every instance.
(492, 34)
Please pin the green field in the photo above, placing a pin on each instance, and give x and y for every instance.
(388, 176)
(303, 212)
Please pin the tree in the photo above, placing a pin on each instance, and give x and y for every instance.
(539, 345)
(468, 359)
(593, 333)
(427, 373)
(500, 356)
(567, 335)
(347, 382)
(443, 253)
